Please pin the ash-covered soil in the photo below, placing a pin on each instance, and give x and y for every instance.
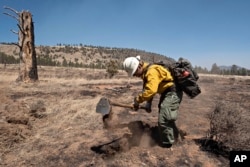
(53, 122)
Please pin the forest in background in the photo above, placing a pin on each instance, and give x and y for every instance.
(98, 57)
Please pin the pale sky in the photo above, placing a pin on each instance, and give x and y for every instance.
(203, 31)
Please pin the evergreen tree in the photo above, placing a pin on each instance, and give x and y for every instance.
(215, 69)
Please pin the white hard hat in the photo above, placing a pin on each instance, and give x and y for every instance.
(131, 64)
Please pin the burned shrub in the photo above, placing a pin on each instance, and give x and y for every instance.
(229, 126)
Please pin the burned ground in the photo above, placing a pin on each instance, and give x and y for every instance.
(54, 123)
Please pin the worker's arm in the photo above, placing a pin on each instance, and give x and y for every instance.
(151, 86)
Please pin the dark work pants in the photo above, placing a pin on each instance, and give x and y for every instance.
(168, 113)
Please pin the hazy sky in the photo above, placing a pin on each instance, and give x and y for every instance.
(203, 31)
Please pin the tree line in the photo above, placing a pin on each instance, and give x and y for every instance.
(117, 54)
(231, 70)
(8, 59)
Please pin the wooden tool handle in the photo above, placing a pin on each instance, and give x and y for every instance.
(121, 105)
(125, 105)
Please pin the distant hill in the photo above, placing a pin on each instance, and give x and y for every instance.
(89, 56)
(86, 55)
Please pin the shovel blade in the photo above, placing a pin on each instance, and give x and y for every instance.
(103, 106)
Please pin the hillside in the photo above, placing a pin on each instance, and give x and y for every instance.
(87, 56)
(98, 57)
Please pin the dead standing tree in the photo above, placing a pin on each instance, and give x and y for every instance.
(28, 63)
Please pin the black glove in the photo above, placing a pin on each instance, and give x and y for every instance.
(136, 104)
(148, 107)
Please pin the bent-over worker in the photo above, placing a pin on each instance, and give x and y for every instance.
(157, 79)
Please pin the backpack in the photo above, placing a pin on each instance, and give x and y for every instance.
(184, 76)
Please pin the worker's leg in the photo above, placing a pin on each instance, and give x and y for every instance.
(168, 113)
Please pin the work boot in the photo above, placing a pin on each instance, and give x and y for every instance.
(166, 145)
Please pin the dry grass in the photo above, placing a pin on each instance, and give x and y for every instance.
(62, 125)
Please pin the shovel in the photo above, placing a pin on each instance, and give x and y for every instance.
(104, 106)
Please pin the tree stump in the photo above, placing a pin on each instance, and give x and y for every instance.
(28, 63)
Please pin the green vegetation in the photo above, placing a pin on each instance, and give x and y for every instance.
(98, 57)
(112, 68)
(8, 59)
(233, 70)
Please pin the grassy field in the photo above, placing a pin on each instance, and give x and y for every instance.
(53, 122)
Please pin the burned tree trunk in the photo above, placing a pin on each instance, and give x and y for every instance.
(28, 63)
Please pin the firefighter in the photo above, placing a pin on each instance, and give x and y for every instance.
(157, 79)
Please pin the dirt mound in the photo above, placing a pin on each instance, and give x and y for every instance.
(139, 134)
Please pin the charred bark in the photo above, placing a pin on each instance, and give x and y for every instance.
(26, 43)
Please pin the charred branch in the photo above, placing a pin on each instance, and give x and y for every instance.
(13, 43)
(11, 16)
(20, 28)
(11, 9)
(15, 32)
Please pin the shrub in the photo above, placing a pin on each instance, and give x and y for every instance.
(229, 125)
(112, 68)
